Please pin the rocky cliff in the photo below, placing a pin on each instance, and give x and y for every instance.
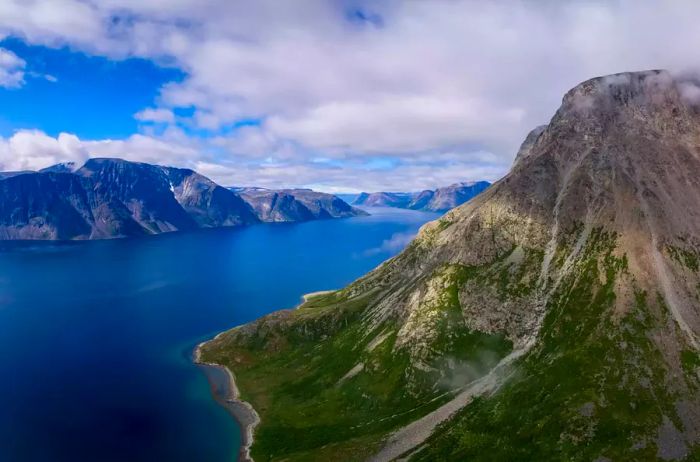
(108, 198)
(438, 200)
(556, 316)
(384, 199)
(283, 205)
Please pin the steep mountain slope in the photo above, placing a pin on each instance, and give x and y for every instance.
(44, 206)
(296, 204)
(383, 199)
(209, 204)
(556, 316)
(439, 200)
(131, 198)
(421, 200)
(108, 198)
(449, 197)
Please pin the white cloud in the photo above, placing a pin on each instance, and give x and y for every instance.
(443, 80)
(33, 150)
(159, 115)
(11, 69)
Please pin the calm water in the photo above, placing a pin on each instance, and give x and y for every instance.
(95, 337)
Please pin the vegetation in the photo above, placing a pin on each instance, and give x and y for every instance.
(594, 387)
(327, 385)
(331, 383)
(685, 257)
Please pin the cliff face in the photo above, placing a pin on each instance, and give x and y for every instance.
(449, 197)
(209, 204)
(439, 200)
(129, 198)
(286, 205)
(553, 317)
(383, 199)
(44, 206)
(108, 198)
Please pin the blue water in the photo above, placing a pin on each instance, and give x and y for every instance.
(96, 337)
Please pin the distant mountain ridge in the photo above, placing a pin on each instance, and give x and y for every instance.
(286, 205)
(438, 200)
(108, 198)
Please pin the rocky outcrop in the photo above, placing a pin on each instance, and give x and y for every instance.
(526, 147)
(284, 205)
(439, 200)
(555, 316)
(107, 198)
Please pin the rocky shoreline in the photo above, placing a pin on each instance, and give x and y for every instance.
(226, 393)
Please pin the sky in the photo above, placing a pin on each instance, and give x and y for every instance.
(336, 95)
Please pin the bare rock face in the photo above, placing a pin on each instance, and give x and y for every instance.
(108, 198)
(46, 206)
(439, 200)
(131, 198)
(208, 203)
(585, 257)
(449, 197)
(526, 147)
(384, 199)
(286, 205)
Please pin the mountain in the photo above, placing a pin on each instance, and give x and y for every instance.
(296, 204)
(64, 167)
(449, 197)
(131, 198)
(556, 316)
(421, 201)
(209, 204)
(4, 175)
(439, 200)
(108, 198)
(347, 197)
(383, 199)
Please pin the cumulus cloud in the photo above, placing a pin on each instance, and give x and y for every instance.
(33, 150)
(11, 69)
(355, 80)
(159, 115)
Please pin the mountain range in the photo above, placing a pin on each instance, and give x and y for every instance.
(284, 205)
(438, 200)
(556, 316)
(108, 198)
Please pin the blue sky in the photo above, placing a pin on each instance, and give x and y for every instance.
(337, 95)
(91, 96)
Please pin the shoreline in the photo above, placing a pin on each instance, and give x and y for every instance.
(226, 394)
(305, 298)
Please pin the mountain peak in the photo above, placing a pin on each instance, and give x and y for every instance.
(653, 99)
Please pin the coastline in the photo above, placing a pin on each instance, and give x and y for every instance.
(226, 393)
(305, 298)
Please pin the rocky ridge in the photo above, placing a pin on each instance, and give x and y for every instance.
(438, 200)
(285, 205)
(107, 198)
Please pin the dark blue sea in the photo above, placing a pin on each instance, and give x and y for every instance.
(96, 337)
